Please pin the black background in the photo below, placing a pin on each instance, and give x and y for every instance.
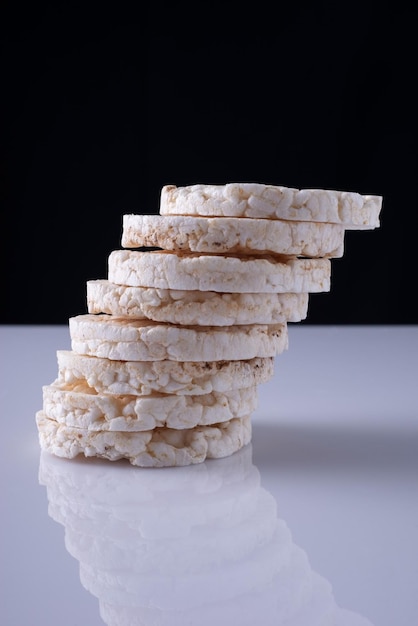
(102, 106)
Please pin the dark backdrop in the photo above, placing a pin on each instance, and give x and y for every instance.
(101, 107)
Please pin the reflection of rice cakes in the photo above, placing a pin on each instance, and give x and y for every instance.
(230, 560)
(264, 606)
(119, 484)
(261, 607)
(224, 581)
(159, 519)
(204, 546)
(94, 499)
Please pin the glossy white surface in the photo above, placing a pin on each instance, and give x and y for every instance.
(316, 522)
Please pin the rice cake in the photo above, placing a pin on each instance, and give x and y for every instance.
(163, 269)
(161, 447)
(233, 235)
(256, 200)
(200, 308)
(146, 377)
(128, 339)
(79, 406)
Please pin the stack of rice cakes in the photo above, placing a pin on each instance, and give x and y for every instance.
(165, 368)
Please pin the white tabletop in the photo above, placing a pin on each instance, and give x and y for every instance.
(319, 511)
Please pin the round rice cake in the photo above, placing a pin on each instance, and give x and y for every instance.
(163, 269)
(195, 308)
(256, 200)
(79, 406)
(129, 339)
(147, 377)
(160, 447)
(233, 235)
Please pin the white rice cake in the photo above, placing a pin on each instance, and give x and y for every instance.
(195, 308)
(233, 235)
(161, 447)
(147, 377)
(129, 339)
(80, 406)
(256, 200)
(231, 274)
